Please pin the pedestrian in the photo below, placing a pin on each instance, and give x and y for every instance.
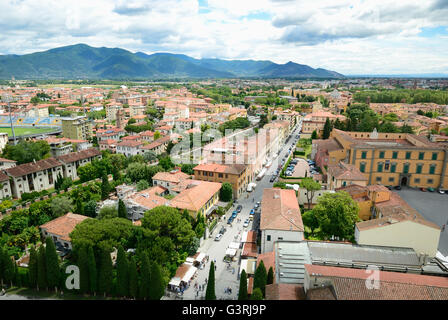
(443, 228)
(215, 267)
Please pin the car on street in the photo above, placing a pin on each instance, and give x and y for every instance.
(423, 189)
(441, 191)
(234, 214)
(397, 187)
(239, 208)
(431, 189)
(218, 237)
(272, 179)
(230, 220)
(223, 230)
(246, 223)
(252, 212)
(389, 187)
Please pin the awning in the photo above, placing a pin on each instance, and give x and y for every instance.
(175, 282)
(200, 257)
(244, 236)
(231, 252)
(234, 245)
(190, 260)
(189, 274)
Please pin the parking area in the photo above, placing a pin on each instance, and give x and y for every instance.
(302, 169)
(433, 206)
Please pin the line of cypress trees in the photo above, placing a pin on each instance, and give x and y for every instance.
(260, 277)
(145, 277)
(242, 294)
(156, 285)
(105, 275)
(122, 273)
(52, 265)
(32, 268)
(41, 269)
(210, 292)
(133, 278)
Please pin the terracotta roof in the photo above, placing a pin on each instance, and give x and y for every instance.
(3, 176)
(221, 168)
(173, 177)
(196, 196)
(268, 260)
(81, 155)
(284, 291)
(130, 143)
(346, 171)
(32, 167)
(350, 284)
(64, 225)
(280, 210)
(250, 250)
(325, 293)
(7, 160)
(149, 198)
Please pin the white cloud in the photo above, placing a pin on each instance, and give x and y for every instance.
(348, 36)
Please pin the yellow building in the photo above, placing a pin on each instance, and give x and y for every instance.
(344, 174)
(78, 128)
(387, 158)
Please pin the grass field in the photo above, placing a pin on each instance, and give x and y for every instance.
(24, 131)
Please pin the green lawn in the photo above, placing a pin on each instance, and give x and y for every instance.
(24, 131)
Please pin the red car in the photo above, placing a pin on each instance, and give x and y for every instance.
(423, 189)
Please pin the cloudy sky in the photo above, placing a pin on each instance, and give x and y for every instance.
(348, 36)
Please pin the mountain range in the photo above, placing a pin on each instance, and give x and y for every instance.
(81, 61)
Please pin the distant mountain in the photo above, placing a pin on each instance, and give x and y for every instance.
(84, 62)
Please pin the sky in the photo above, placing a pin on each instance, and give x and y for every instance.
(348, 36)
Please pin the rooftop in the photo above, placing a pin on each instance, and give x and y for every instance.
(64, 225)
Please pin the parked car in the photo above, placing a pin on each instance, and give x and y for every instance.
(234, 214)
(397, 187)
(272, 179)
(223, 230)
(441, 191)
(423, 189)
(431, 189)
(246, 223)
(252, 212)
(230, 220)
(218, 237)
(389, 187)
(239, 208)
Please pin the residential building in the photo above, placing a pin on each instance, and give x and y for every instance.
(280, 218)
(60, 228)
(316, 121)
(74, 160)
(3, 141)
(5, 186)
(169, 179)
(344, 174)
(6, 163)
(79, 128)
(130, 148)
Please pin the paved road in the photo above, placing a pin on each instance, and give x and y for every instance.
(433, 206)
(216, 249)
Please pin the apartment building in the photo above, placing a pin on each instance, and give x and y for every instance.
(111, 110)
(388, 158)
(129, 148)
(316, 121)
(74, 160)
(79, 128)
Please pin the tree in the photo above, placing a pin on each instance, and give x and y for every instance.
(142, 185)
(93, 274)
(242, 294)
(337, 214)
(32, 268)
(150, 156)
(145, 274)
(133, 278)
(7, 269)
(327, 129)
(27, 151)
(105, 187)
(156, 135)
(156, 284)
(311, 187)
(310, 220)
(166, 163)
(226, 192)
(105, 275)
(83, 266)
(52, 264)
(122, 273)
(270, 278)
(257, 294)
(420, 112)
(41, 269)
(260, 277)
(388, 127)
(108, 212)
(122, 212)
(406, 129)
(210, 292)
(188, 168)
(61, 205)
(314, 135)
(90, 209)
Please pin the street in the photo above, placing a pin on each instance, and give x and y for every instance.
(228, 278)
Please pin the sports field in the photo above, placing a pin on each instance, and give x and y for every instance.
(25, 131)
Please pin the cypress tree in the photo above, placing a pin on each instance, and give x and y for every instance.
(91, 263)
(7, 268)
(242, 294)
(83, 266)
(32, 268)
(52, 265)
(157, 286)
(105, 275)
(122, 212)
(133, 278)
(145, 274)
(270, 279)
(210, 292)
(41, 269)
(105, 187)
(260, 277)
(122, 273)
(2, 264)
(314, 135)
(327, 129)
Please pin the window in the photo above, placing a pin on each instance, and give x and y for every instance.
(364, 155)
(421, 156)
(391, 179)
(268, 238)
(406, 168)
(432, 169)
(380, 167)
(362, 167)
(220, 175)
(408, 155)
(394, 155)
(430, 181)
(419, 168)
(378, 179)
(434, 156)
(417, 180)
(381, 154)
